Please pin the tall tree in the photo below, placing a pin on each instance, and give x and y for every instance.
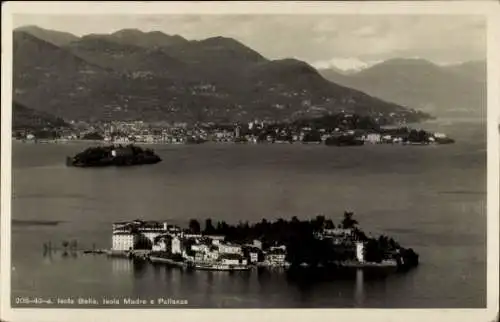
(194, 226)
(209, 228)
(348, 222)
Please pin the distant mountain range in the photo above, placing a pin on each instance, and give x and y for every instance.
(454, 90)
(132, 74)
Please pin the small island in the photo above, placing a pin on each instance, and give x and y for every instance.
(307, 244)
(113, 155)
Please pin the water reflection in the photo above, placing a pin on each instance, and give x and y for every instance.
(121, 265)
(359, 290)
(139, 267)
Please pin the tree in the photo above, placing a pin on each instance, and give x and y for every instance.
(142, 242)
(329, 224)
(209, 228)
(348, 222)
(194, 226)
(320, 221)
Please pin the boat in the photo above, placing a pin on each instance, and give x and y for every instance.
(168, 261)
(101, 156)
(217, 266)
(387, 264)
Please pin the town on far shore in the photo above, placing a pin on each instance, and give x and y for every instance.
(341, 129)
(285, 244)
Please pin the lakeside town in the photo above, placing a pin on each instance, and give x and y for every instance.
(338, 129)
(315, 243)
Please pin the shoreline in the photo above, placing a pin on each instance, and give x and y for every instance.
(104, 143)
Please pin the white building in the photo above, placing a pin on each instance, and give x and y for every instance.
(337, 232)
(122, 241)
(257, 243)
(190, 235)
(161, 246)
(254, 257)
(215, 239)
(176, 246)
(276, 257)
(373, 138)
(360, 252)
(200, 248)
(278, 248)
(230, 249)
(232, 259)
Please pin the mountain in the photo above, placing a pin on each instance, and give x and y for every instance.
(416, 83)
(107, 53)
(57, 38)
(147, 39)
(475, 70)
(27, 118)
(152, 76)
(51, 78)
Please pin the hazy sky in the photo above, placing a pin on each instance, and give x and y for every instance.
(343, 40)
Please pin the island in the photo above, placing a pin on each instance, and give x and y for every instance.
(283, 244)
(113, 155)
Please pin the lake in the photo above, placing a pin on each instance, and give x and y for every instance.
(430, 198)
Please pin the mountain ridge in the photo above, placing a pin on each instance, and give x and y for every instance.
(217, 78)
(417, 83)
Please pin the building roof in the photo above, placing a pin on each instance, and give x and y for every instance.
(122, 233)
(215, 236)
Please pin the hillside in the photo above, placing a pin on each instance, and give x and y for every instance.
(57, 38)
(153, 76)
(457, 90)
(27, 118)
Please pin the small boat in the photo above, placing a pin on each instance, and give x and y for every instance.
(168, 261)
(209, 266)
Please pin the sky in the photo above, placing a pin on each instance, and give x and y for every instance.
(342, 41)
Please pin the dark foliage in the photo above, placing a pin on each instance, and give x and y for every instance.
(303, 244)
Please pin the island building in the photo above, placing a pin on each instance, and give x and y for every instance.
(337, 235)
(232, 259)
(127, 234)
(360, 252)
(275, 256)
(123, 241)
